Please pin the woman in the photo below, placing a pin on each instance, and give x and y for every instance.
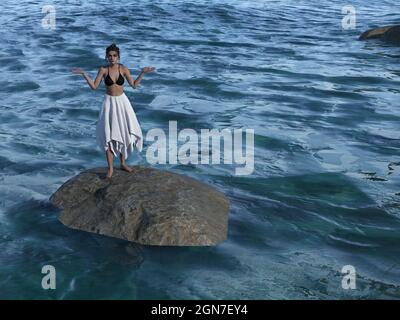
(117, 129)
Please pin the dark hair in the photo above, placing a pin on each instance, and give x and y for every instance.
(112, 47)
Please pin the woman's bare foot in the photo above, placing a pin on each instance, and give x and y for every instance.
(109, 173)
(126, 168)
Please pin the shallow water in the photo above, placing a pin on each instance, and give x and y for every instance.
(325, 109)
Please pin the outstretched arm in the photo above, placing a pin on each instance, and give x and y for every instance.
(135, 83)
(92, 84)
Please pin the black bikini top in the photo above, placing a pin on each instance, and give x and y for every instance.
(109, 82)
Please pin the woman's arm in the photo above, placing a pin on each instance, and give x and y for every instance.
(135, 83)
(92, 84)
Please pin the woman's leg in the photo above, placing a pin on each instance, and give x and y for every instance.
(109, 156)
(123, 163)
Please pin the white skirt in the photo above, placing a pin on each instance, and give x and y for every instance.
(117, 127)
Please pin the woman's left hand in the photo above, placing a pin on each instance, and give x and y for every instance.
(148, 69)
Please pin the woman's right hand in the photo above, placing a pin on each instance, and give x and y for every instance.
(78, 71)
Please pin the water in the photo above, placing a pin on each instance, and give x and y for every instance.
(325, 109)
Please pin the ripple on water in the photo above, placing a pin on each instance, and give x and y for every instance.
(22, 86)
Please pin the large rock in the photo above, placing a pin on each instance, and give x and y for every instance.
(147, 206)
(387, 33)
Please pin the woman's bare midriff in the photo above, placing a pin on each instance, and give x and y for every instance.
(115, 90)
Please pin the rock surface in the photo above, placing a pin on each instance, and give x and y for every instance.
(387, 33)
(146, 206)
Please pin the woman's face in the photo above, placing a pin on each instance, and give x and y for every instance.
(112, 56)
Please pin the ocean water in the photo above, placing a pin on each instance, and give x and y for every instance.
(324, 107)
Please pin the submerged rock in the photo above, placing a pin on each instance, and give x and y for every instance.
(387, 33)
(146, 206)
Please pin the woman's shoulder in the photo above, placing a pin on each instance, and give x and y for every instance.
(103, 69)
(123, 68)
